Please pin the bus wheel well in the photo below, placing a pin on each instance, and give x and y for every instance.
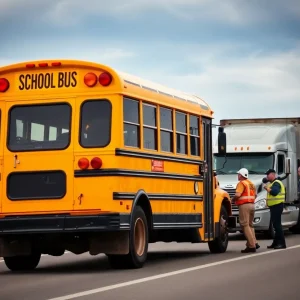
(227, 205)
(144, 203)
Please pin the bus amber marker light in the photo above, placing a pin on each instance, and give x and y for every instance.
(83, 163)
(90, 79)
(30, 66)
(4, 85)
(43, 65)
(56, 64)
(96, 163)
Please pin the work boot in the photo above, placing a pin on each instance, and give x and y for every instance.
(249, 250)
(280, 247)
(271, 246)
(257, 246)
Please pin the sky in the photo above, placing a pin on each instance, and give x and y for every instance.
(242, 57)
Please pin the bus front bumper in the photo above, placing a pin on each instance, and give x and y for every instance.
(261, 221)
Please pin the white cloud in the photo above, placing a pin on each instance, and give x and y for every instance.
(12, 8)
(106, 56)
(69, 12)
(255, 85)
(230, 11)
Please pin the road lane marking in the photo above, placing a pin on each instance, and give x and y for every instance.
(169, 274)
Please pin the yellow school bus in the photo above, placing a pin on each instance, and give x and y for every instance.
(95, 160)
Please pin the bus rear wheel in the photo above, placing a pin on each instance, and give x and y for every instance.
(220, 243)
(138, 244)
(23, 263)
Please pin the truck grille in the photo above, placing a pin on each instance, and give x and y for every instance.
(231, 193)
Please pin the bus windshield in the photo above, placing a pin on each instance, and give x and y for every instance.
(256, 163)
(39, 127)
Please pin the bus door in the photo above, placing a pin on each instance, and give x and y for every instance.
(95, 142)
(208, 179)
(2, 108)
(38, 157)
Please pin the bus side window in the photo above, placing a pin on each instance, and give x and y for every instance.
(131, 118)
(181, 132)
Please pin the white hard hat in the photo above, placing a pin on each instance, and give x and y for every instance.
(243, 172)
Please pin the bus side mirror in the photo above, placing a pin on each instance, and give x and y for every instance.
(221, 141)
(288, 166)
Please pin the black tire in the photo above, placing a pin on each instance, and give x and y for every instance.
(270, 233)
(23, 263)
(138, 244)
(220, 243)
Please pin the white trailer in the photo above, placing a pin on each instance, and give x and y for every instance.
(260, 144)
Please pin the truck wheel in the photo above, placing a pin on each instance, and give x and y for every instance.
(270, 233)
(23, 263)
(138, 244)
(220, 243)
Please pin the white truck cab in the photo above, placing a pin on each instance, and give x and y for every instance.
(259, 145)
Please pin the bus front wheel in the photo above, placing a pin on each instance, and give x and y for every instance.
(220, 243)
(138, 244)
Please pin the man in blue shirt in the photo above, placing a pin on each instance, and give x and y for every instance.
(275, 201)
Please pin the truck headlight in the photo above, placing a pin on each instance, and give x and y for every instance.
(260, 204)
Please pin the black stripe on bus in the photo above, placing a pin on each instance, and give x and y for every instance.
(135, 173)
(177, 220)
(172, 197)
(138, 154)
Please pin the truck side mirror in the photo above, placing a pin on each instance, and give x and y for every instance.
(288, 166)
(221, 141)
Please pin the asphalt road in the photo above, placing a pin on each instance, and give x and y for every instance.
(173, 271)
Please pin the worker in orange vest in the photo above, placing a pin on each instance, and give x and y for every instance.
(244, 198)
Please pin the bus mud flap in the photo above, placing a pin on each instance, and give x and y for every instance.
(110, 243)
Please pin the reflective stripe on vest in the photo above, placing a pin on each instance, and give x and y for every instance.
(272, 200)
(248, 195)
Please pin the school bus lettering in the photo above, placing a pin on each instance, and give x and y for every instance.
(67, 79)
(47, 80)
(108, 162)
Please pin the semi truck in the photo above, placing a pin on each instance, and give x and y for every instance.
(258, 145)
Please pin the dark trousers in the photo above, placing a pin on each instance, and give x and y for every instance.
(276, 212)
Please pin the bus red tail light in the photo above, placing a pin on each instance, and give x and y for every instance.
(4, 85)
(96, 163)
(83, 163)
(90, 79)
(105, 79)
(43, 65)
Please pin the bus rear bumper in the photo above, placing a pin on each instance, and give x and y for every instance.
(42, 224)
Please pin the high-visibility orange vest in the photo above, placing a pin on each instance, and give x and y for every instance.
(248, 195)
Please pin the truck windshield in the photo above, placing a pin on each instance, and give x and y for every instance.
(255, 163)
